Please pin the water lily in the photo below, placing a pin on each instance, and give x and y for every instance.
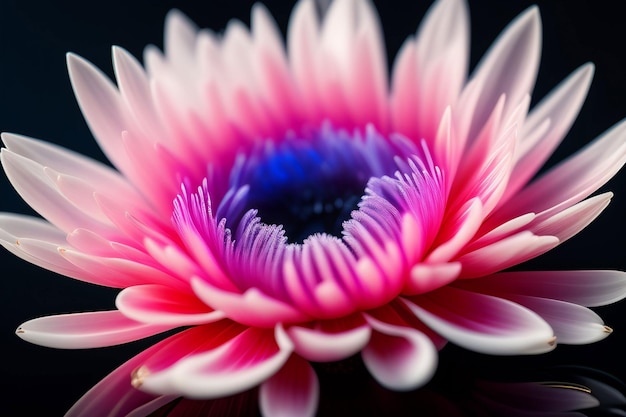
(296, 204)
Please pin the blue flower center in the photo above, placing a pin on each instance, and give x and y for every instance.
(311, 183)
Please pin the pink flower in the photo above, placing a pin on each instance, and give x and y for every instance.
(302, 205)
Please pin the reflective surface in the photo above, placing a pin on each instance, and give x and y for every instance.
(37, 101)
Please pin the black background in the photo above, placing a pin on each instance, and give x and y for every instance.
(36, 100)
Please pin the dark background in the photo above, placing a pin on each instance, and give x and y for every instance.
(36, 100)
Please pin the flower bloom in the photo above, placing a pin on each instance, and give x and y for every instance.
(295, 205)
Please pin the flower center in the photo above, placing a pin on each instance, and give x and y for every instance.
(311, 184)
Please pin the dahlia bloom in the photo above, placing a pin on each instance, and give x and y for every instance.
(295, 205)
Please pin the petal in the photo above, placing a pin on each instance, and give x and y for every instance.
(135, 90)
(128, 401)
(252, 307)
(588, 288)
(302, 48)
(164, 305)
(572, 180)
(458, 231)
(572, 220)
(572, 324)
(399, 358)
(509, 68)
(37, 241)
(113, 396)
(33, 184)
(425, 277)
(442, 62)
(352, 65)
(505, 253)
(483, 323)
(100, 103)
(292, 391)
(560, 108)
(86, 330)
(275, 79)
(122, 272)
(240, 363)
(70, 163)
(330, 340)
(179, 42)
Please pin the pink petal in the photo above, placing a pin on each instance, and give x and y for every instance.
(114, 396)
(292, 391)
(504, 230)
(38, 242)
(70, 163)
(509, 68)
(442, 62)
(588, 288)
(86, 330)
(404, 99)
(240, 363)
(425, 277)
(90, 242)
(560, 108)
(134, 87)
(175, 259)
(320, 277)
(331, 340)
(276, 81)
(572, 323)
(179, 42)
(100, 103)
(116, 388)
(252, 307)
(33, 184)
(572, 180)
(134, 226)
(399, 358)
(79, 193)
(505, 253)
(302, 48)
(351, 35)
(457, 232)
(122, 272)
(572, 220)
(164, 305)
(483, 323)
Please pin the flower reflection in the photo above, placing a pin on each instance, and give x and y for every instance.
(557, 392)
(297, 205)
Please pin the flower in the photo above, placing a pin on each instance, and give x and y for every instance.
(296, 207)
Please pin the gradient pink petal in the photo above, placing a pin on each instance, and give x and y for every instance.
(332, 340)
(399, 358)
(164, 305)
(292, 391)
(587, 288)
(483, 323)
(252, 307)
(86, 330)
(237, 364)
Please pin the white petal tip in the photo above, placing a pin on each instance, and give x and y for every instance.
(72, 59)
(588, 68)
